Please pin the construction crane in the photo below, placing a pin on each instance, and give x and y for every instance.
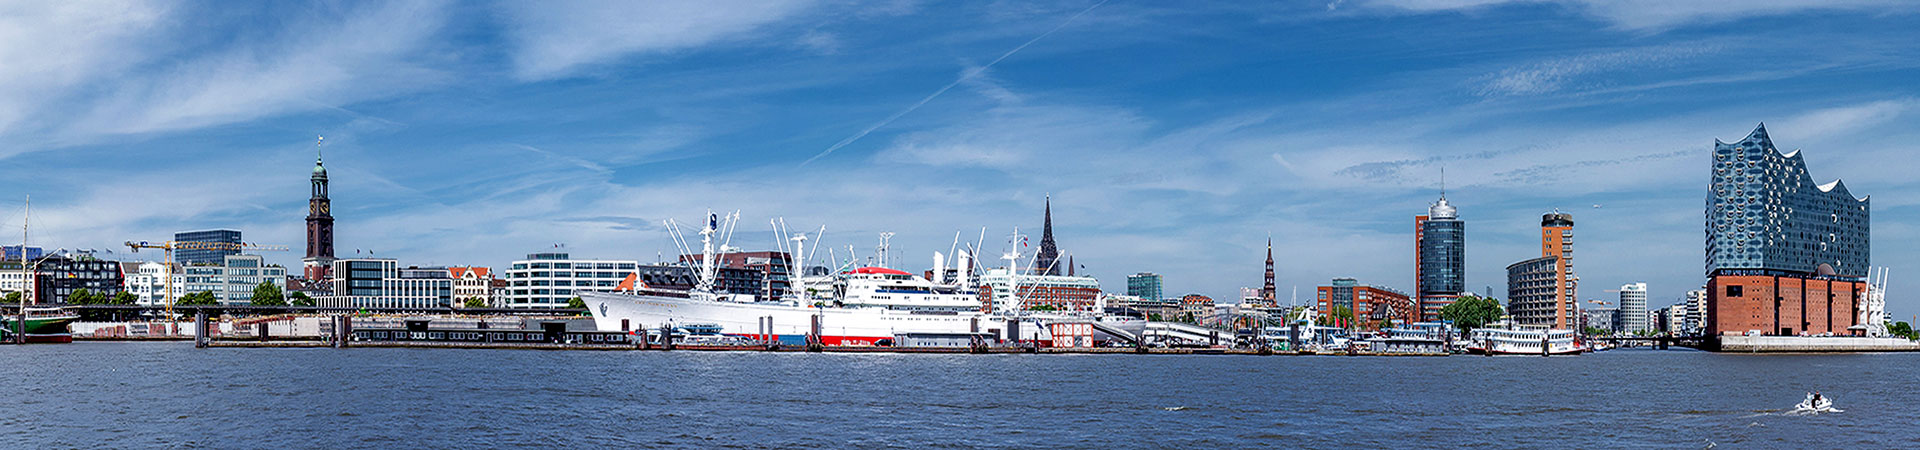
(166, 280)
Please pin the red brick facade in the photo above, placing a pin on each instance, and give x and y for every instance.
(1782, 305)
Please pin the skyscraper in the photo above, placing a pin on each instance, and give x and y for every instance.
(203, 256)
(1542, 291)
(1784, 256)
(319, 260)
(1633, 308)
(1045, 262)
(1440, 250)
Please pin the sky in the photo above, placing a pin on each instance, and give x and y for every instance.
(1173, 137)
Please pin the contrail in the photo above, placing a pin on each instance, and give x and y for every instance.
(963, 77)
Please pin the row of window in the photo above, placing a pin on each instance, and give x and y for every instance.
(561, 265)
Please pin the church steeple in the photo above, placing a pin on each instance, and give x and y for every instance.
(1267, 290)
(1044, 261)
(319, 260)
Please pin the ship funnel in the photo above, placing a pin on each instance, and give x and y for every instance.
(939, 268)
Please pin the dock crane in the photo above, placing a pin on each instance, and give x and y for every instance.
(166, 280)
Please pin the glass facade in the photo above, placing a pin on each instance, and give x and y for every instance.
(188, 257)
(1145, 285)
(1765, 214)
(1443, 264)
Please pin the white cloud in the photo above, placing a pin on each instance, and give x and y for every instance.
(1845, 119)
(364, 53)
(50, 48)
(1656, 14)
(555, 39)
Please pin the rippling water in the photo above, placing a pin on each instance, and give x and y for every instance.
(171, 395)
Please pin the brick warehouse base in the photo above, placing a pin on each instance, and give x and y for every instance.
(1783, 305)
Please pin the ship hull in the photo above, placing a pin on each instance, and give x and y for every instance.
(40, 330)
(791, 323)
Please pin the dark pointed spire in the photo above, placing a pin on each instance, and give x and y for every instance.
(1267, 290)
(1049, 252)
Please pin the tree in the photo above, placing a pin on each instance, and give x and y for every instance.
(202, 298)
(1471, 312)
(123, 298)
(1592, 331)
(1041, 308)
(576, 303)
(268, 294)
(13, 297)
(82, 297)
(477, 302)
(1903, 329)
(299, 299)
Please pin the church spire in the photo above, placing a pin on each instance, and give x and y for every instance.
(1049, 253)
(1267, 290)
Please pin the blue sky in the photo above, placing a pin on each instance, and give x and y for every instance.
(1174, 137)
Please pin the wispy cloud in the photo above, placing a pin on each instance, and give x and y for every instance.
(50, 49)
(558, 39)
(1557, 74)
(1656, 14)
(1846, 119)
(964, 76)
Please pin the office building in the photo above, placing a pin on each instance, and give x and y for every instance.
(13, 252)
(1633, 308)
(549, 280)
(231, 281)
(57, 276)
(762, 274)
(1145, 285)
(1439, 258)
(1196, 306)
(1532, 290)
(1543, 291)
(1154, 308)
(1785, 256)
(1606, 319)
(1695, 321)
(998, 292)
(381, 283)
(1368, 303)
(195, 256)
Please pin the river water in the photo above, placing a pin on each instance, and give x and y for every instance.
(172, 395)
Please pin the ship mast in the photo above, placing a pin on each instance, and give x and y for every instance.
(26, 275)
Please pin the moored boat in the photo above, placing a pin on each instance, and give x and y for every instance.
(1523, 341)
(43, 325)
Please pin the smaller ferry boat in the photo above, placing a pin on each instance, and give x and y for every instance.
(1523, 341)
(43, 325)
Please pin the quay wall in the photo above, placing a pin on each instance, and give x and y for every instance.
(1809, 344)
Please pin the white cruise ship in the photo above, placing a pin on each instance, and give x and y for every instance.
(868, 305)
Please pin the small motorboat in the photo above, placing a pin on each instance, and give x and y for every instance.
(1815, 403)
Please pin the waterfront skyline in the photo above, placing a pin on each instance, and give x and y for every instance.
(1174, 139)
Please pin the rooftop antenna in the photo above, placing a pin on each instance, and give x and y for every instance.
(1443, 182)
